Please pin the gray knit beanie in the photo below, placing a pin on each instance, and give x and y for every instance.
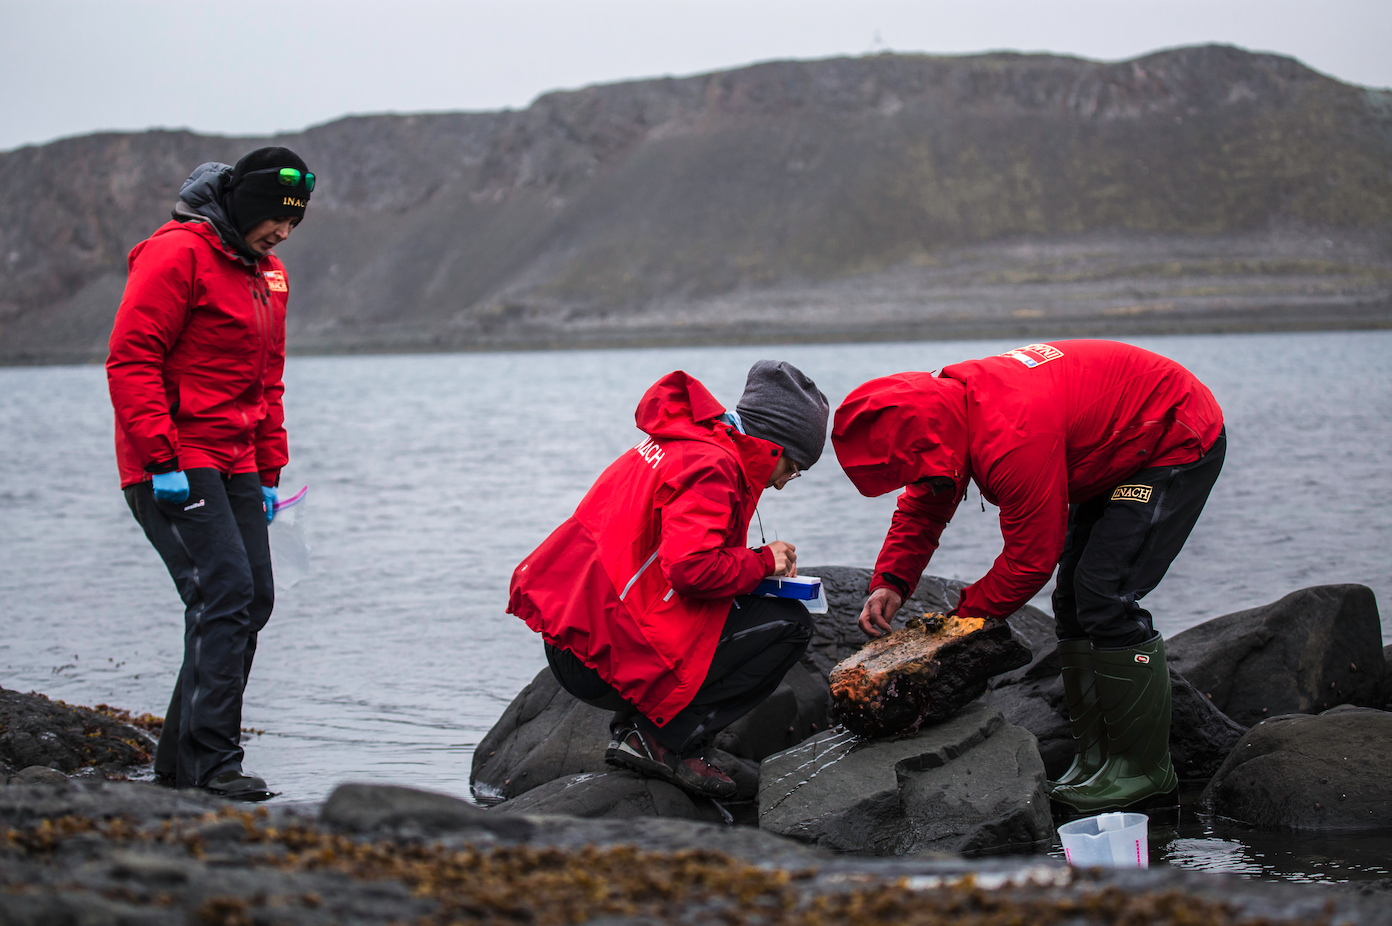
(782, 405)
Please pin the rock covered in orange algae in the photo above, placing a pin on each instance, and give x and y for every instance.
(922, 674)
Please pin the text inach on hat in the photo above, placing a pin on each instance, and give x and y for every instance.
(292, 201)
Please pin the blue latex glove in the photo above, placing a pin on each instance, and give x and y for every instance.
(268, 493)
(171, 487)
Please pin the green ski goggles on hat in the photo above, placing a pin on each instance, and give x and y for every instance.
(289, 176)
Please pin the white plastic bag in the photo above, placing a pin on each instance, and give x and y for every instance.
(289, 541)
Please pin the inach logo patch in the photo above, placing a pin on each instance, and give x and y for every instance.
(1132, 494)
(292, 201)
(1142, 658)
(1032, 355)
(276, 280)
(649, 450)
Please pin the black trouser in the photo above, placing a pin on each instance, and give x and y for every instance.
(1120, 544)
(217, 551)
(762, 639)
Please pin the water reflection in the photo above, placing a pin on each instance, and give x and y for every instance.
(1199, 843)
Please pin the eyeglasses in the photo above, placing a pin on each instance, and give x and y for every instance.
(797, 471)
(289, 176)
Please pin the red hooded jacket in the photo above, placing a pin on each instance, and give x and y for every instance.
(196, 358)
(1036, 429)
(638, 582)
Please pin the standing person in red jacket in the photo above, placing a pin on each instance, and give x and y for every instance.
(194, 370)
(642, 596)
(1100, 456)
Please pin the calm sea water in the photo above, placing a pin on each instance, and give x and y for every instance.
(431, 476)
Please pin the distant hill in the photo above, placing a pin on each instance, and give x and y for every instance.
(889, 196)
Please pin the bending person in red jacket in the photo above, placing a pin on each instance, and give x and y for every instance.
(1100, 456)
(195, 367)
(642, 596)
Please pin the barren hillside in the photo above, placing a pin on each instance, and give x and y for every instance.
(896, 195)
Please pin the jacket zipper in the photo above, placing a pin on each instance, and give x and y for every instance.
(641, 569)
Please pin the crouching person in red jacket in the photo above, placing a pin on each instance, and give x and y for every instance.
(194, 370)
(642, 596)
(1100, 456)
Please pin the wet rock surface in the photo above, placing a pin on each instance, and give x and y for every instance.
(36, 732)
(921, 674)
(1311, 650)
(1331, 771)
(972, 784)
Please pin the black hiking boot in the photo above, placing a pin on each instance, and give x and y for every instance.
(239, 786)
(648, 757)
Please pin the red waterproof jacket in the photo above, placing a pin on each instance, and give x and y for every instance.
(1036, 429)
(638, 582)
(196, 358)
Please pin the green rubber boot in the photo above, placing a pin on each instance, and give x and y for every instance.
(1084, 713)
(1133, 689)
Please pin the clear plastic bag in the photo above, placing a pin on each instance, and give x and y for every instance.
(289, 541)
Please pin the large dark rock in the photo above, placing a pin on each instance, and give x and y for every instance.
(1201, 736)
(921, 674)
(1385, 698)
(543, 735)
(1313, 649)
(37, 731)
(1328, 771)
(616, 794)
(973, 784)
(546, 735)
(367, 808)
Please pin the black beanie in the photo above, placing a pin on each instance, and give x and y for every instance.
(255, 193)
(781, 404)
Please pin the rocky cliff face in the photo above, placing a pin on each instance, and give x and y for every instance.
(895, 193)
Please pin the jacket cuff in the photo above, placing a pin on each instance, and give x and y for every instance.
(160, 467)
(270, 477)
(770, 564)
(891, 581)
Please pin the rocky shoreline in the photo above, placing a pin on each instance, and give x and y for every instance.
(125, 853)
(942, 826)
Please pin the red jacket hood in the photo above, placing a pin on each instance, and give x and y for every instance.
(895, 430)
(675, 405)
(679, 406)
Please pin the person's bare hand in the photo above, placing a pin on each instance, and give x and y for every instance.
(881, 607)
(784, 559)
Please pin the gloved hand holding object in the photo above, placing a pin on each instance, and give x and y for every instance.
(268, 493)
(170, 487)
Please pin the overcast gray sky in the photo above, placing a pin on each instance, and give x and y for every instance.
(68, 67)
